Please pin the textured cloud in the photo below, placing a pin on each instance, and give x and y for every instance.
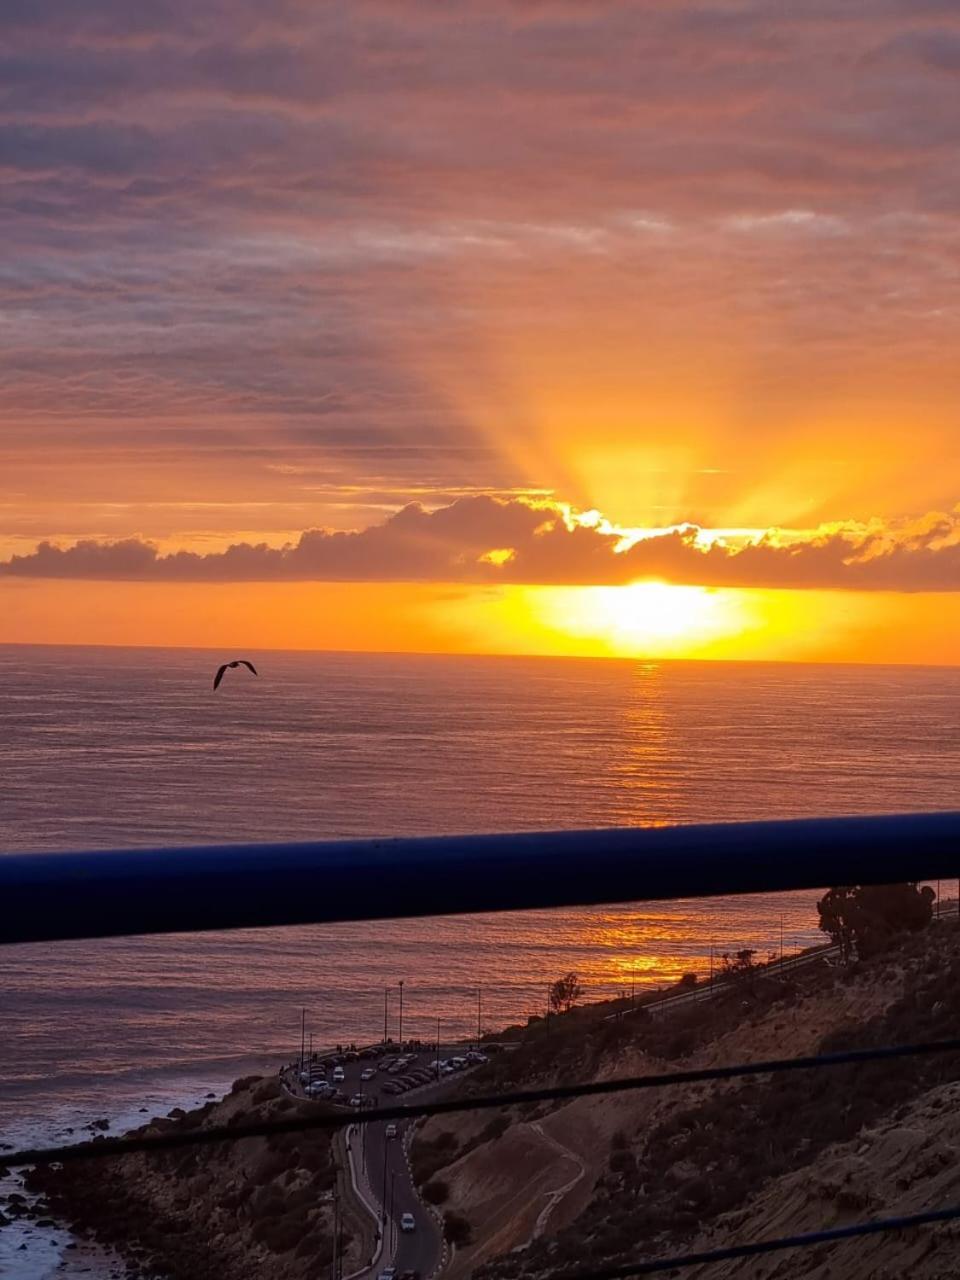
(484, 539)
(370, 243)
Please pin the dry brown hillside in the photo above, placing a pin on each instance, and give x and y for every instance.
(234, 1210)
(602, 1181)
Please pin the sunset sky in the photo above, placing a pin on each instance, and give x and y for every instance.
(554, 326)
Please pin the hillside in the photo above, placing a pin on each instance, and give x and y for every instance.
(259, 1207)
(600, 1181)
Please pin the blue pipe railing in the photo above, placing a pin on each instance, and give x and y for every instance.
(48, 896)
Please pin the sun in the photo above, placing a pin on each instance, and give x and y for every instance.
(650, 618)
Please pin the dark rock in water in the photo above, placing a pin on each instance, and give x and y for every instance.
(99, 1124)
(4, 1171)
(211, 1095)
(46, 1222)
(143, 1111)
(4, 1220)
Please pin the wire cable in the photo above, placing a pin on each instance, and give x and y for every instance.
(831, 1235)
(101, 1147)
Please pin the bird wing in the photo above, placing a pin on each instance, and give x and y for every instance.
(249, 664)
(218, 677)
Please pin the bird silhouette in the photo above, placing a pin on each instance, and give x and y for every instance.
(238, 662)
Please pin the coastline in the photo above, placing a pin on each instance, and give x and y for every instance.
(30, 1251)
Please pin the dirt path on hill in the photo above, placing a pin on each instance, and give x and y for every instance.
(554, 1197)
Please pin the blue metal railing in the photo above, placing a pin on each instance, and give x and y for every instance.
(56, 896)
(48, 896)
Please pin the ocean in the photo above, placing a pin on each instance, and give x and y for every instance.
(112, 748)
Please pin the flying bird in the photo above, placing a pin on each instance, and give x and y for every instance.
(239, 662)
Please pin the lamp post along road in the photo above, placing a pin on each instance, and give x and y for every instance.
(400, 1032)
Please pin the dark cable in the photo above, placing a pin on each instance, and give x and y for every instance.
(831, 1235)
(101, 1147)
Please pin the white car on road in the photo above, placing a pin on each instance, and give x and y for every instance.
(338, 1074)
(368, 1074)
(408, 1222)
(391, 1130)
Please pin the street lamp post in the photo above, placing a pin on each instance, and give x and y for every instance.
(386, 996)
(479, 1006)
(303, 1033)
(400, 1032)
(438, 1048)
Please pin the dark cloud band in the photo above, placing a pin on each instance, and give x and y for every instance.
(484, 539)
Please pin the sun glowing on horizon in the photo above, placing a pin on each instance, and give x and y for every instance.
(651, 617)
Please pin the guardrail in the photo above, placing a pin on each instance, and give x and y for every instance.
(59, 896)
(49, 896)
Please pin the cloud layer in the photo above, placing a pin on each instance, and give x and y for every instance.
(353, 253)
(484, 539)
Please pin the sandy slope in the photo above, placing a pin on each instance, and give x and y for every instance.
(542, 1174)
(901, 1166)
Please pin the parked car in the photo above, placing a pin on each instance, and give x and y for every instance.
(338, 1074)
(391, 1130)
(392, 1087)
(388, 1273)
(408, 1222)
(458, 1064)
(368, 1074)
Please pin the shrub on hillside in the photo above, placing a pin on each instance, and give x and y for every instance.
(436, 1191)
(428, 1157)
(457, 1229)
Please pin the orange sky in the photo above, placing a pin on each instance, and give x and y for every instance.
(690, 267)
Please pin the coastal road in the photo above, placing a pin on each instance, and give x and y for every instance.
(388, 1176)
(707, 990)
(380, 1162)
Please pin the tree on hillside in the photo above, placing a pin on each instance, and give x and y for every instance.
(742, 964)
(866, 918)
(565, 992)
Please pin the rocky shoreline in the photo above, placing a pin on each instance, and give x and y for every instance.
(260, 1207)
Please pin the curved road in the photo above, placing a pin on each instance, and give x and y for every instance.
(380, 1164)
(388, 1177)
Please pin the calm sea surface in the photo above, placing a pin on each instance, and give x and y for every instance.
(109, 748)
